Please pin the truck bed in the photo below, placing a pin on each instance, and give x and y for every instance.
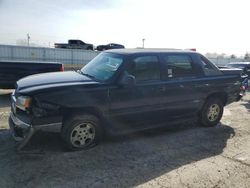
(12, 71)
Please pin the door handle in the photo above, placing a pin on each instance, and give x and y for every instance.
(162, 88)
(202, 85)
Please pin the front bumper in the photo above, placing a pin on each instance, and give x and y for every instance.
(20, 131)
(23, 132)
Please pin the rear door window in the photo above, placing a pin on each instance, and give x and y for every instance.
(178, 66)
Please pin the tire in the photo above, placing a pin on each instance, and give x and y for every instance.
(81, 132)
(89, 48)
(211, 112)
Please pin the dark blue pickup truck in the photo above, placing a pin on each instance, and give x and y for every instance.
(121, 91)
(13, 70)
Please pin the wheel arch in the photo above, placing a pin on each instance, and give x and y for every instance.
(70, 112)
(220, 95)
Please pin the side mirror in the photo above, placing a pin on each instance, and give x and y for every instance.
(128, 81)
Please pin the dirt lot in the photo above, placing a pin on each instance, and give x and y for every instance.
(190, 156)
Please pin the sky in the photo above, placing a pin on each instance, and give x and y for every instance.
(221, 26)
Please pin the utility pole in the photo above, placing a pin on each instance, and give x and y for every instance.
(143, 40)
(28, 39)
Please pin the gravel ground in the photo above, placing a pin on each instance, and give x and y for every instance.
(190, 156)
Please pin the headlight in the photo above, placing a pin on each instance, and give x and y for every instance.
(23, 102)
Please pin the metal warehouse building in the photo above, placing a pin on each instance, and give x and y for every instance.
(69, 57)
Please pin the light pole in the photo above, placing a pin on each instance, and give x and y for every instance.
(28, 39)
(143, 40)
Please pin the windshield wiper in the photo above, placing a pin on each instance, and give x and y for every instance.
(88, 75)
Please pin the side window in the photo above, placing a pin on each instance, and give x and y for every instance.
(177, 66)
(145, 68)
(208, 68)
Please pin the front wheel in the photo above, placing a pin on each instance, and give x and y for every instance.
(211, 112)
(81, 132)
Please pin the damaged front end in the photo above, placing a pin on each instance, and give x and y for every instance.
(28, 116)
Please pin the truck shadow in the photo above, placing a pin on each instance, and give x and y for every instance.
(246, 102)
(124, 161)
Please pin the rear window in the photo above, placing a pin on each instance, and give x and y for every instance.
(177, 66)
(208, 68)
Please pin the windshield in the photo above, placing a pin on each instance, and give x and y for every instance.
(103, 66)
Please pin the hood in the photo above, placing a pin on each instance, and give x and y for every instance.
(51, 79)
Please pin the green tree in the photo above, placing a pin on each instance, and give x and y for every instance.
(233, 56)
(247, 56)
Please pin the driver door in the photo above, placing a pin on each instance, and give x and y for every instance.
(137, 107)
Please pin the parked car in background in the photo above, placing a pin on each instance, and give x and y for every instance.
(11, 71)
(75, 44)
(244, 66)
(120, 91)
(242, 72)
(109, 46)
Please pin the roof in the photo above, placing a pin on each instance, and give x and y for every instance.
(148, 50)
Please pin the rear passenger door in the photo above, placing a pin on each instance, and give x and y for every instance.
(180, 74)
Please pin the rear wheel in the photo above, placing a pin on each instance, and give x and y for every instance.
(81, 132)
(211, 112)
